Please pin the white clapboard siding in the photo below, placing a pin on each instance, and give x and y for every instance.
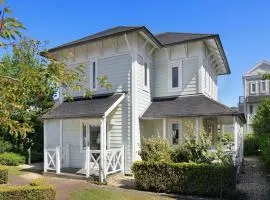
(51, 133)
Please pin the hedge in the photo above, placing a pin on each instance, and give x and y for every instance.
(185, 178)
(28, 192)
(3, 174)
(11, 159)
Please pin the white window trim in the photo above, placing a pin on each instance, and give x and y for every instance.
(250, 85)
(261, 82)
(172, 65)
(91, 74)
(81, 134)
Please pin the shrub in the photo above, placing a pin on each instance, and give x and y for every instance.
(11, 159)
(185, 178)
(3, 174)
(251, 144)
(155, 149)
(36, 156)
(260, 123)
(264, 148)
(5, 146)
(39, 181)
(28, 192)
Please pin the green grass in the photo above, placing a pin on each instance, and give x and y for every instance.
(106, 194)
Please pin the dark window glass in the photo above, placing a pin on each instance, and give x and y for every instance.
(175, 133)
(94, 137)
(94, 75)
(84, 136)
(251, 109)
(145, 74)
(175, 77)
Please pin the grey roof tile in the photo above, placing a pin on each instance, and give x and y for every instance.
(95, 107)
(185, 106)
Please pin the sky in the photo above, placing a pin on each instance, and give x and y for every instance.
(244, 26)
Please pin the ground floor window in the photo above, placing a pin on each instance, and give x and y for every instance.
(175, 133)
(90, 136)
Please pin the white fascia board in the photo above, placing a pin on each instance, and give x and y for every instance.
(115, 104)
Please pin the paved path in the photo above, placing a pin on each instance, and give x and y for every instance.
(254, 181)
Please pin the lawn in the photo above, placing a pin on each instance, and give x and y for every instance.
(106, 194)
(14, 171)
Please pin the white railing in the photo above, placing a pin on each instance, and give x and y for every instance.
(114, 162)
(52, 159)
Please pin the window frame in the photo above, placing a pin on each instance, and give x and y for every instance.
(93, 77)
(250, 85)
(261, 82)
(146, 75)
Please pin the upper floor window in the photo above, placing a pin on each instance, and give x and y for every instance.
(146, 71)
(252, 87)
(94, 75)
(263, 86)
(175, 77)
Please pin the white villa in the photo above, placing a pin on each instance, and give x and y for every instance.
(159, 82)
(255, 90)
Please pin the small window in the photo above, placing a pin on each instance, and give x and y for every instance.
(145, 74)
(252, 87)
(84, 136)
(94, 75)
(263, 86)
(175, 77)
(251, 109)
(175, 133)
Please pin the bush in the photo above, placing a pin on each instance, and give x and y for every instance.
(28, 192)
(3, 174)
(11, 159)
(39, 181)
(264, 148)
(155, 149)
(185, 178)
(5, 146)
(251, 145)
(36, 156)
(260, 123)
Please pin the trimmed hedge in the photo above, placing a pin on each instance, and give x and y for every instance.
(185, 178)
(28, 192)
(3, 174)
(11, 159)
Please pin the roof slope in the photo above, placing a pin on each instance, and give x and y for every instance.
(185, 106)
(95, 107)
(176, 37)
(260, 67)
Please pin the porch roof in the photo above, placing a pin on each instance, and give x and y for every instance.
(79, 107)
(188, 106)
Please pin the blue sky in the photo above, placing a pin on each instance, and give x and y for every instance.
(244, 26)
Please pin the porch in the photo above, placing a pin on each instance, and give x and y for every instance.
(82, 139)
(168, 118)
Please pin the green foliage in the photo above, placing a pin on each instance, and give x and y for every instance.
(264, 148)
(35, 191)
(3, 174)
(11, 159)
(261, 125)
(36, 156)
(185, 178)
(155, 149)
(251, 144)
(39, 181)
(5, 146)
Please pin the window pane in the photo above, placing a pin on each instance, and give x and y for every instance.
(253, 87)
(94, 74)
(145, 74)
(175, 133)
(263, 85)
(251, 109)
(175, 77)
(94, 137)
(84, 136)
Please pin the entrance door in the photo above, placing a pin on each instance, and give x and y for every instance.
(211, 128)
(94, 137)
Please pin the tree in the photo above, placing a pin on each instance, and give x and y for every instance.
(261, 120)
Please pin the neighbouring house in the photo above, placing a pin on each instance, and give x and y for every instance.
(255, 90)
(159, 82)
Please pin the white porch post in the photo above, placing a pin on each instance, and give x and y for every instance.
(58, 158)
(45, 164)
(164, 133)
(103, 149)
(197, 128)
(87, 161)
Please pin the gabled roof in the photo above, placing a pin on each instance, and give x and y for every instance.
(176, 38)
(188, 106)
(252, 71)
(94, 107)
(160, 40)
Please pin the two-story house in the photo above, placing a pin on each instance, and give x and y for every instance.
(255, 90)
(159, 82)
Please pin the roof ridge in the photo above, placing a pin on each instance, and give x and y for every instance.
(170, 32)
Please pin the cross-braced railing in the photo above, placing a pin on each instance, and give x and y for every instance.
(114, 160)
(52, 159)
